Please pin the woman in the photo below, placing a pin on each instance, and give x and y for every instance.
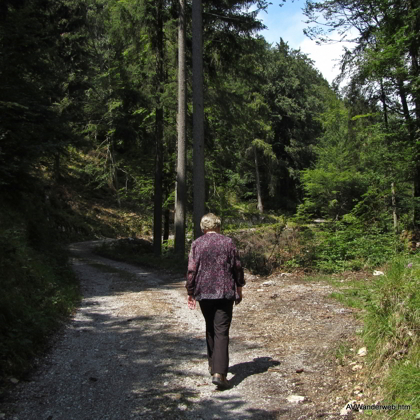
(215, 280)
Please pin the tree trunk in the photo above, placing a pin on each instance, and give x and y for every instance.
(394, 207)
(412, 131)
(115, 176)
(198, 117)
(393, 194)
(415, 70)
(157, 216)
(403, 97)
(166, 215)
(181, 172)
(384, 106)
(257, 175)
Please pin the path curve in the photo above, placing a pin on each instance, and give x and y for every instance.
(133, 350)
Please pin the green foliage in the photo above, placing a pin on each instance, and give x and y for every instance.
(394, 308)
(41, 62)
(344, 246)
(331, 192)
(37, 290)
(383, 72)
(390, 306)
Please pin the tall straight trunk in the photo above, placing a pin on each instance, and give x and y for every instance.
(157, 216)
(257, 175)
(181, 171)
(166, 217)
(412, 127)
(394, 207)
(115, 174)
(198, 117)
(415, 73)
(403, 97)
(384, 106)
(393, 194)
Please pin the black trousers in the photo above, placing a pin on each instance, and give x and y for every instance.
(218, 316)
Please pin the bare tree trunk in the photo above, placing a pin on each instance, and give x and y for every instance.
(394, 207)
(198, 117)
(115, 176)
(257, 175)
(181, 172)
(415, 70)
(403, 97)
(166, 215)
(393, 194)
(384, 106)
(412, 125)
(157, 216)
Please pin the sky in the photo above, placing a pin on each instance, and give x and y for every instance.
(288, 22)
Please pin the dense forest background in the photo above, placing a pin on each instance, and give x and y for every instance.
(327, 176)
(89, 91)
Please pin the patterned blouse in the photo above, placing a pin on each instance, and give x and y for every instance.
(214, 268)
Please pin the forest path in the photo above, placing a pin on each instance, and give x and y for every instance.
(133, 350)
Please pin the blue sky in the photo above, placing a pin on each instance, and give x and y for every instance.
(287, 22)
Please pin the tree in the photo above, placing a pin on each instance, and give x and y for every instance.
(384, 62)
(198, 117)
(42, 56)
(181, 177)
(294, 95)
(158, 199)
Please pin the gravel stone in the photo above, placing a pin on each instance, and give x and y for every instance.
(133, 350)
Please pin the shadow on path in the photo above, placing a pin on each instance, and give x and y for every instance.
(243, 370)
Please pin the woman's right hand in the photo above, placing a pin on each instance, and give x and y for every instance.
(238, 301)
(191, 302)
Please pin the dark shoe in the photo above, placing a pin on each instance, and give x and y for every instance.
(220, 380)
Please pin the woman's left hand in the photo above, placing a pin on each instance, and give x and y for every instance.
(191, 302)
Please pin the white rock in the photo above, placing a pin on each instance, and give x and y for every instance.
(357, 367)
(362, 352)
(260, 290)
(346, 409)
(182, 407)
(14, 380)
(269, 283)
(295, 398)
(378, 273)
(285, 274)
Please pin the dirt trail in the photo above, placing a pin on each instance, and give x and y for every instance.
(134, 350)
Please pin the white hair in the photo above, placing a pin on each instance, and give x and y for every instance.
(210, 222)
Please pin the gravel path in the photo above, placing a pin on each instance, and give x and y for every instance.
(133, 350)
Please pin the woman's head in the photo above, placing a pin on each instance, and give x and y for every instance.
(210, 222)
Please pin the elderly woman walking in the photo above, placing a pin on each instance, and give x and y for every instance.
(215, 280)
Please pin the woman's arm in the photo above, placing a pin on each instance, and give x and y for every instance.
(191, 275)
(192, 272)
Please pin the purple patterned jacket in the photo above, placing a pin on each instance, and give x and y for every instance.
(214, 268)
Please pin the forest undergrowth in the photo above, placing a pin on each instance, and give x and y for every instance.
(38, 290)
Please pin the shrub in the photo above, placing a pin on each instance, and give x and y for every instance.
(37, 291)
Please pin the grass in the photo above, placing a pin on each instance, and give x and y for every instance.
(390, 307)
